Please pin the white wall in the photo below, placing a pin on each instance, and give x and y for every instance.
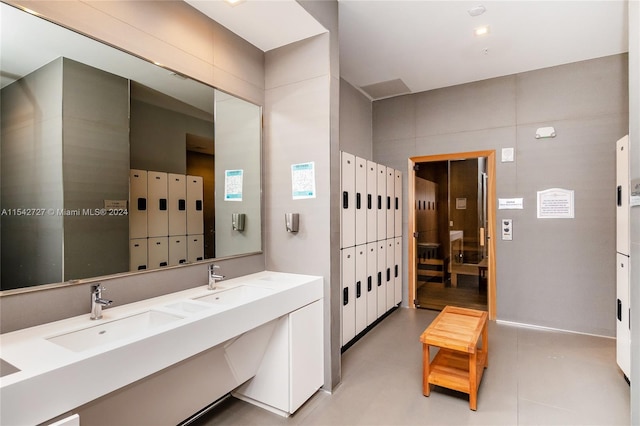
(356, 124)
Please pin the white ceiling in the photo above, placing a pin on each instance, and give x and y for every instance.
(430, 44)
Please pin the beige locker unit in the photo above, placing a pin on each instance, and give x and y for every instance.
(158, 209)
(372, 287)
(347, 203)
(397, 204)
(390, 202)
(177, 195)
(390, 282)
(361, 287)
(623, 251)
(158, 252)
(177, 250)
(138, 254)
(138, 204)
(372, 193)
(348, 271)
(195, 215)
(381, 282)
(195, 248)
(381, 187)
(361, 201)
(397, 270)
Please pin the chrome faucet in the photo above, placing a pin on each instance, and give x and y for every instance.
(97, 302)
(213, 277)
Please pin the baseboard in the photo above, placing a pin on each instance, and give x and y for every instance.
(540, 327)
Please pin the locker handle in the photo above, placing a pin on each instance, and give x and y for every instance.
(379, 202)
(619, 197)
(182, 205)
(619, 310)
(388, 203)
(162, 204)
(369, 279)
(358, 200)
(369, 201)
(163, 263)
(388, 274)
(199, 258)
(182, 261)
(379, 279)
(199, 205)
(142, 204)
(396, 203)
(396, 271)
(358, 289)
(345, 296)
(142, 267)
(345, 199)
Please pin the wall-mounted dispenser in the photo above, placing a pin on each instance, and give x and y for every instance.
(237, 221)
(292, 221)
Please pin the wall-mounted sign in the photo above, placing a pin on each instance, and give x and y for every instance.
(634, 199)
(303, 181)
(233, 185)
(556, 203)
(461, 203)
(510, 204)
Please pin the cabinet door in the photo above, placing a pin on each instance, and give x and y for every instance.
(397, 221)
(348, 267)
(371, 202)
(372, 287)
(158, 252)
(347, 202)
(138, 204)
(177, 195)
(158, 216)
(381, 266)
(397, 269)
(195, 248)
(389, 273)
(138, 254)
(177, 249)
(623, 331)
(390, 202)
(195, 216)
(381, 205)
(361, 201)
(361, 287)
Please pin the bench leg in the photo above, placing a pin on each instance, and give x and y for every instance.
(473, 381)
(425, 370)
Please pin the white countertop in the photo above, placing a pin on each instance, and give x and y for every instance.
(53, 380)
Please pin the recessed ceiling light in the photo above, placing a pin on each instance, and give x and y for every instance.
(477, 11)
(480, 31)
(234, 2)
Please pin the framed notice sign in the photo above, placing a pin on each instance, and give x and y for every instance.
(556, 203)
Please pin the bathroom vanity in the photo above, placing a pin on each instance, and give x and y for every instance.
(160, 360)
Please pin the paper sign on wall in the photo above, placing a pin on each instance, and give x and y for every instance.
(303, 181)
(233, 185)
(510, 204)
(556, 203)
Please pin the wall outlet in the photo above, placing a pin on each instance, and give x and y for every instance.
(507, 229)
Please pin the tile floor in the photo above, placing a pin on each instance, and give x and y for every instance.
(535, 377)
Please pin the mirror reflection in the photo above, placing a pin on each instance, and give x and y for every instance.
(111, 164)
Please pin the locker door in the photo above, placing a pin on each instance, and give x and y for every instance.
(158, 216)
(158, 252)
(623, 324)
(390, 202)
(177, 249)
(372, 287)
(348, 187)
(138, 254)
(398, 204)
(389, 273)
(381, 202)
(361, 287)
(361, 201)
(177, 195)
(348, 294)
(138, 204)
(397, 270)
(195, 216)
(195, 248)
(372, 193)
(622, 196)
(381, 278)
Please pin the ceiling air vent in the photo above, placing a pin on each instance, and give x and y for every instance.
(386, 89)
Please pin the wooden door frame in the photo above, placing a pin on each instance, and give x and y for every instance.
(491, 218)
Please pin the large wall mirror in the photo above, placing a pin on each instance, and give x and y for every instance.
(111, 164)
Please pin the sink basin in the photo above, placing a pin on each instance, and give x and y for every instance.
(236, 295)
(6, 368)
(107, 332)
(188, 307)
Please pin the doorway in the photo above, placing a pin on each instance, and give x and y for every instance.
(451, 252)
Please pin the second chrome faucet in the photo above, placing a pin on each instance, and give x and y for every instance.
(97, 302)
(214, 277)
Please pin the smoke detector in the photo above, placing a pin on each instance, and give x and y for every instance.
(477, 11)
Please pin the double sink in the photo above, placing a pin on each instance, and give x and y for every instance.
(123, 328)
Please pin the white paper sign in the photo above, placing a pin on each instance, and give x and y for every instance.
(233, 185)
(510, 204)
(303, 181)
(556, 203)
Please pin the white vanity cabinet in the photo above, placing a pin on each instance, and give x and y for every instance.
(292, 367)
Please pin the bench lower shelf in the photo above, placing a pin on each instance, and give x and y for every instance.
(450, 369)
